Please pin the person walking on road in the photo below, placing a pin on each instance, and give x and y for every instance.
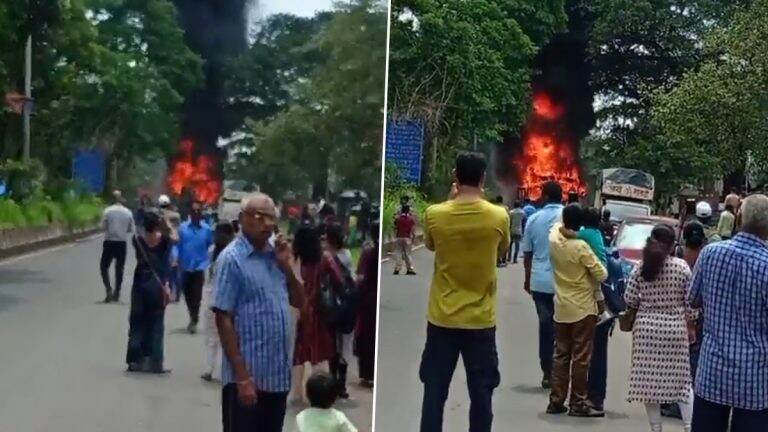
(503, 258)
(405, 232)
(538, 272)
(467, 234)
(656, 290)
(173, 221)
(365, 331)
(118, 225)
(150, 295)
(339, 265)
(223, 236)
(516, 226)
(315, 339)
(731, 286)
(577, 274)
(195, 238)
(255, 288)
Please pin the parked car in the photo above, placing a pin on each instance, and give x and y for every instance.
(631, 237)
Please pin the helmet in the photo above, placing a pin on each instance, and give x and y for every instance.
(163, 200)
(703, 209)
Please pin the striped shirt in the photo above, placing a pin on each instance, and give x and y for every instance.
(251, 287)
(730, 281)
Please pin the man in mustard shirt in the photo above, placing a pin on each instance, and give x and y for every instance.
(578, 301)
(467, 234)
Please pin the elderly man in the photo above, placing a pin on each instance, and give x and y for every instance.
(118, 226)
(730, 281)
(255, 285)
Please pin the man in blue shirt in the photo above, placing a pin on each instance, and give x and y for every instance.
(730, 281)
(539, 281)
(195, 238)
(255, 285)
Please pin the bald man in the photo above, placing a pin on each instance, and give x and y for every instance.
(255, 285)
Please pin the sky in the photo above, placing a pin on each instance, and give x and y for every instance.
(296, 7)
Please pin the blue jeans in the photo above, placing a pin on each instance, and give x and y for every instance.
(545, 309)
(481, 362)
(598, 367)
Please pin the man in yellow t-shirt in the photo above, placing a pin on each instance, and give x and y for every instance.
(577, 275)
(467, 234)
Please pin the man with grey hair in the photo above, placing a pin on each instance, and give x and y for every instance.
(730, 284)
(117, 224)
(255, 285)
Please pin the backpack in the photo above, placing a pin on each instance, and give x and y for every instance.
(339, 298)
(614, 287)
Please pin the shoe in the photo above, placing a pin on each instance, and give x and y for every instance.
(411, 273)
(206, 377)
(108, 298)
(134, 367)
(159, 371)
(192, 328)
(556, 409)
(396, 272)
(597, 408)
(545, 383)
(585, 411)
(115, 297)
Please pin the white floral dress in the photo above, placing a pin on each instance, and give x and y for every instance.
(661, 371)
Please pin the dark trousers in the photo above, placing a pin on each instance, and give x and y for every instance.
(573, 351)
(514, 245)
(438, 362)
(267, 415)
(192, 284)
(113, 251)
(712, 417)
(145, 337)
(545, 309)
(598, 367)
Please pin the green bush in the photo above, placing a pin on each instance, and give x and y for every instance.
(394, 189)
(83, 211)
(24, 179)
(11, 214)
(42, 212)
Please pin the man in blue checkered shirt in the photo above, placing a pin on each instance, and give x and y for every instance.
(730, 284)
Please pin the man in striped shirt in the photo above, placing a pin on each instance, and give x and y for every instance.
(730, 282)
(255, 285)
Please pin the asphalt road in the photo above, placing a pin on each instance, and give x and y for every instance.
(519, 402)
(62, 356)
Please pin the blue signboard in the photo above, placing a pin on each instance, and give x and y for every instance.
(405, 141)
(89, 170)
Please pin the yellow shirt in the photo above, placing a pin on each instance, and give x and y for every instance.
(577, 272)
(466, 237)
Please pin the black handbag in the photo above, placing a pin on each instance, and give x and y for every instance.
(339, 298)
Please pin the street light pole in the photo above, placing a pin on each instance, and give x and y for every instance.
(27, 94)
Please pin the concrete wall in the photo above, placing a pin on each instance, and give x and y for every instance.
(21, 240)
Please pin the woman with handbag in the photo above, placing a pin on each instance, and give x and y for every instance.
(656, 296)
(315, 338)
(150, 294)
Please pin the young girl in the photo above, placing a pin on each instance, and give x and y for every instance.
(322, 417)
(223, 235)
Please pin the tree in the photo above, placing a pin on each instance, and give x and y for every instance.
(320, 128)
(463, 67)
(718, 113)
(110, 74)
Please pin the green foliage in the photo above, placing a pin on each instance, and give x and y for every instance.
(110, 74)
(23, 179)
(82, 212)
(325, 113)
(640, 49)
(11, 214)
(43, 212)
(718, 112)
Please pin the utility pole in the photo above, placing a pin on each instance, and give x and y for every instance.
(27, 94)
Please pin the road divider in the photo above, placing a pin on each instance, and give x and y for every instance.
(18, 241)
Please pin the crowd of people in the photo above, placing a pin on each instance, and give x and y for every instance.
(696, 305)
(283, 313)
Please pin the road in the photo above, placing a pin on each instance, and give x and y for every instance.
(62, 357)
(519, 402)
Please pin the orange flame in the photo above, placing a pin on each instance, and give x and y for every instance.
(546, 154)
(199, 173)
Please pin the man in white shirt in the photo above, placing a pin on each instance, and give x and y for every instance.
(117, 223)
